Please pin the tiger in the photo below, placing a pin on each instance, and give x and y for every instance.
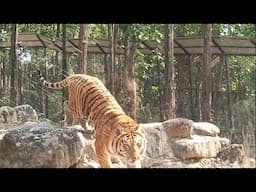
(117, 135)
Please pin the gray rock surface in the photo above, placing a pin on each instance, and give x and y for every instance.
(178, 127)
(196, 147)
(205, 129)
(157, 140)
(35, 145)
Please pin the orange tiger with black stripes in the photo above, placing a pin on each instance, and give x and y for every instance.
(117, 134)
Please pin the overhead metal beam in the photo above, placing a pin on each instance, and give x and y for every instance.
(218, 46)
(180, 46)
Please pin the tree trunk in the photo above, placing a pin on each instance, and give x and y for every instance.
(56, 61)
(19, 97)
(217, 86)
(181, 78)
(65, 71)
(45, 93)
(4, 74)
(2, 77)
(169, 93)
(111, 74)
(130, 84)
(161, 116)
(57, 52)
(181, 82)
(13, 59)
(230, 112)
(106, 70)
(206, 94)
(83, 45)
(197, 91)
(115, 72)
(192, 111)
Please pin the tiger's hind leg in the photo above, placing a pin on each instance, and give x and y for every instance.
(69, 116)
(88, 128)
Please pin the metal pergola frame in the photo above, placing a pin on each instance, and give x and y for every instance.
(192, 45)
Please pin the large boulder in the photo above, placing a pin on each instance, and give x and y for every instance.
(178, 127)
(232, 153)
(8, 114)
(88, 158)
(157, 140)
(197, 147)
(26, 113)
(205, 128)
(38, 145)
(35, 145)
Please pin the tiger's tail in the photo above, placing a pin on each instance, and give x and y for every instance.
(57, 85)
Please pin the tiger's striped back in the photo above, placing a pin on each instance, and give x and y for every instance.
(89, 99)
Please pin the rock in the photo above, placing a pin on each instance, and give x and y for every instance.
(2, 133)
(251, 163)
(36, 146)
(196, 147)
(89, 159)
(157, 140)
(7, 115)
(237, 138)
(205, 128)
(169, 162)
(26, 113)
(232, 153)
(178, 128)
(224, 142)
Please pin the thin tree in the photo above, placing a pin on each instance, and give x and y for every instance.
(111, 64)
(182, 75)
(45, 95)
(13, 59)
(169, 89)
(64, 59)
(57, 52)
(19, 96)
(129, 79)
(83, 45)
(206, 80)
(4, 68)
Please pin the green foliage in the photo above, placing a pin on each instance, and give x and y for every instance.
(3, 35)
(150, 75)
(10, 110)
(98, 31)
(219, 29)
(192, 30)
(140, 32)
(242, 71)
(4, 101)
(150, 69)
(243, 30)
(3, 38)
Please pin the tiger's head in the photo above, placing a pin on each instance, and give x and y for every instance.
(130, 144)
